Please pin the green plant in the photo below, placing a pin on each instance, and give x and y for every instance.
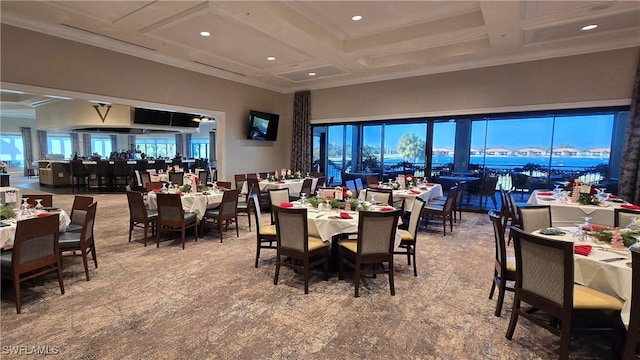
(314, 201)
(628, 237)
(7, 212)
(185, 188)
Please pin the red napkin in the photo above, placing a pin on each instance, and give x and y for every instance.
(595, 227)
(180, 193)
(286, 204)
(387, 208)
(611, 196)
(545, 193)
(582, 249)
(630, 206)
(281, 182)
(430, 184)
(344, 215)
(221, 187)
(43, 214)
(415, 191)
(156, 190)
(374, 186)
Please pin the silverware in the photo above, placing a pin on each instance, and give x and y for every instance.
(613, 259)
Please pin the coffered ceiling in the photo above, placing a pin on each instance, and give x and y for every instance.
(394, 39)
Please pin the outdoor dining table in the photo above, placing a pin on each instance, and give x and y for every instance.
(604, 268)
(564, 212)
(426, 193)
(294, 185)
(191, 202)
(8, 226)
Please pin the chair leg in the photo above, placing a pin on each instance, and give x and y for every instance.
(325, 266)
(257, 252)
(195, 230)
(501, 290)
(59, 271)
(340, 264)
(493, 285)
(86, 264)
(391, 284)
(146, 225)
(565, 340)
(238, 230)
(357, 279)
(275, 277)
(93, 254)
(16, 290)
(444, 225)
(183, 234)
(306, 275)
(415, 270)
(514, 319)
(131, 229)
(158, 237)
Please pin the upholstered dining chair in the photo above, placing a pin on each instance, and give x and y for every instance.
(631, 348)
(277, 197)
(534, 218)
(351, 185)
(224, 184)
(371, 180)
(239, 180)
(265, 234)
(307, 184)
(80, 175)
(224, 214)
(171, 217)
(545, 281)
(34, 253)
(296, 249)
(83, 241)
(146, 179)
(139, 216)
(263, 196)
(47, 199)
(461, 187)
(78, 212)
(621, 216)
(444, 211)
(410, 236)
(104, 175)
(177, 178)
(373, 246)
(359, 185)
(381, 196)
(504, 269)
(120, 173)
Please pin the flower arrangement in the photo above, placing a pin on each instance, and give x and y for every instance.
(7, 212)
(3, 167)
(95, 156)
(185, 188)
(408, 182)
(628, 236)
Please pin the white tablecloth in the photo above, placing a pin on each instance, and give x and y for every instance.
(613, 278)
(8, 233)
(193, 202)
(409, 197)
(294, 186)
(569, 213)
(16, 191)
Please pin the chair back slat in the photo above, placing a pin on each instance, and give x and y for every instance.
(170, 212)
(376, 232)
(414, 219)
(381, 196)
(291, 227)
(534, 218)
(79, 208)
(498, 234)
(622, 217)
(229, 203)
(137, 208)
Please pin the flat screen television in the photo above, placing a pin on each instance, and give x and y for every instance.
(263, 126)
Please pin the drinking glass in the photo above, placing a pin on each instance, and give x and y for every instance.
(24, 207)
(39, 204)
(303, 199)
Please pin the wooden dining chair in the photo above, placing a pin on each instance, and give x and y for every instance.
(504, 268)
(34, 253)
(78, 212)
(621, 216)
(226, 213)
(296, 249)
(410, 236)
(444, 211)
(139, 216)
(374, 246)
(545, 281)
(47, 199)
(632, 342)
(534, 218)
(239, 180)
(171, 217)
(177, 178)
(359, 185)
(224, 184)
(277, 197)
(380, 196)
(83, 242)
(265, 234)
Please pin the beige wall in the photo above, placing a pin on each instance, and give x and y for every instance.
(35, 59)
(598, 79)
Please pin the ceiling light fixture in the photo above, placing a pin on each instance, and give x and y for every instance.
(312, 74)
(589, 27)
(356, 17)
(205, 33)
(204, 119)
(271, 58)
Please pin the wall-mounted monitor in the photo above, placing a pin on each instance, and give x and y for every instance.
(263, 126)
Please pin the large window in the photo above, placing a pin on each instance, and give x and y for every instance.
(11, 150)
(101, 145)
(157, 148)
(59, 146)
(404, 148)
(199, 148)
(443, 146)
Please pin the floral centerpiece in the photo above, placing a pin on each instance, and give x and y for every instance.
(7, 212)
(629, 237)
(408, 182)
(586, 192)
(185, 188)
(95, 156)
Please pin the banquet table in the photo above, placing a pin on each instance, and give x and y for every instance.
(425, 193)
(191, 202)
(8, 233)
(567, 213)
(294, 185)
(613, 278)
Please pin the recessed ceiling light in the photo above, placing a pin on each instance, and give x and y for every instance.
(205, 33)
(312, 74)
(589, 27)
(356, 17)
(271, 58)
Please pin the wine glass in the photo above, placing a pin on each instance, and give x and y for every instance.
(24, 207)
(327, 205)
(303, 199)
(39, 206)
(586, 225)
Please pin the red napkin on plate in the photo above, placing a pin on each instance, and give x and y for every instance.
(281, 182)
(43, 214)
(430, 184)
(582, 249)
(415, 191)
(387, 208)
(156, 190)
(630, 206)
(545, 193)
(344, 215)
(286, 204)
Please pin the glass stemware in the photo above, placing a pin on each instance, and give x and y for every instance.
(303, 199)
(586, 225)
(39, 205)
(24, 207)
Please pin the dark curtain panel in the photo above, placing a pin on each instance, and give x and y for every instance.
(42, 144)
(114, 143)
(179, 144)
(27, 149)
(301, 139)
(629, 186)
(131, 140)
(187, 140)
(75, 144)
(86, 145)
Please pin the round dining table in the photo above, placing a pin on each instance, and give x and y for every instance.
(197, 202)
(8, 226)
